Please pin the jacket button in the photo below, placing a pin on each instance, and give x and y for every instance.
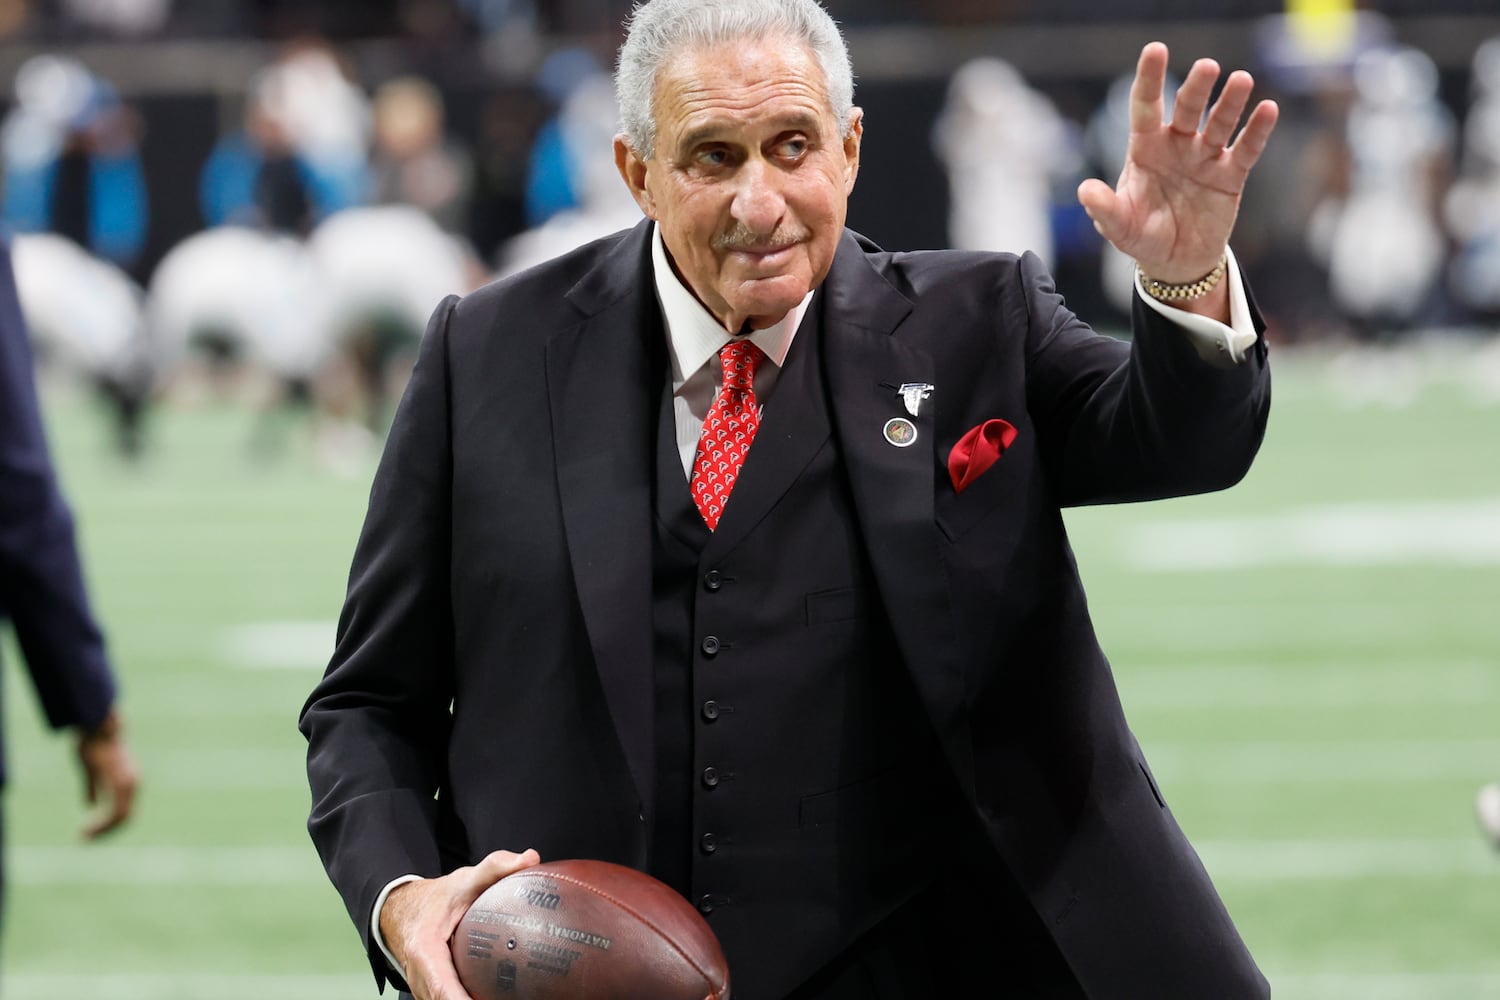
(710, 645)
(710, 778)
(713, 580)
(709, 843)
(706, 904)
(710, 710)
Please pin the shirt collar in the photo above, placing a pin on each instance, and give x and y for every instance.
(693, 335)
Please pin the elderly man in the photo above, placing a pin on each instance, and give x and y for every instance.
(729, 548)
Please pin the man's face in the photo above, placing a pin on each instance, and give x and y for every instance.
(750, 178)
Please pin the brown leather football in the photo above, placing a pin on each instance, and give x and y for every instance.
(586, 930)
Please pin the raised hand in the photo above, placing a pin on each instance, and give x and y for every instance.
(1175, 203)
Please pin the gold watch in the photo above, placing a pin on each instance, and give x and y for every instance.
(1164, 292)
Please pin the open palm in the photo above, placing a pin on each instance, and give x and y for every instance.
(1174, 205)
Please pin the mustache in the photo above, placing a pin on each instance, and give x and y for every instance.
(742, 237)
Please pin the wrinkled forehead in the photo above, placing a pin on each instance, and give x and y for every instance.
(702, 88)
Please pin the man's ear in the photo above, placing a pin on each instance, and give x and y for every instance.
(851, 147)
(633, 171)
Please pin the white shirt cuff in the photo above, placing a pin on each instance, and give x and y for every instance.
(375, 921)
(1217, 344)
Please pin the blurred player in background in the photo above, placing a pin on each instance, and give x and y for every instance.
(1004, 145)
(41, 585)
(71, 161)
(1472, 207)
(413, 160)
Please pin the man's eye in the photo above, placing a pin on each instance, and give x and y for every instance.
(792, 148)
(713, 157)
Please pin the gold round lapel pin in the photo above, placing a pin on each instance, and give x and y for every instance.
(900, 432)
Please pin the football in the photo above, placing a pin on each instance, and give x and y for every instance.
(570, 930)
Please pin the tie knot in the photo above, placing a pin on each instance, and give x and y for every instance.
(740, 358)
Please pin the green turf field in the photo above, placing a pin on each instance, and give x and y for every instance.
(1312, 662)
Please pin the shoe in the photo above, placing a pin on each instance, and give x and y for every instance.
(1487, 806)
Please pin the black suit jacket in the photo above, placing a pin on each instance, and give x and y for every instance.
(41, 583)
(491, 686)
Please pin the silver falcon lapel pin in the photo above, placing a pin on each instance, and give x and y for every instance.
(912, 394)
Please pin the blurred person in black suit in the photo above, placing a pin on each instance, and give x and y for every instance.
(42, 589)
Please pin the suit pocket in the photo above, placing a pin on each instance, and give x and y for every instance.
(874, 804)
(957, 513)
(834, 606)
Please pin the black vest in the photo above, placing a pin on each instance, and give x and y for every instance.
(798, 777)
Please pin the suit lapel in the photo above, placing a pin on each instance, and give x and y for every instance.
(893, 486)
(604, 380)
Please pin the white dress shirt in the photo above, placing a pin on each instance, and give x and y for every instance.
(694, 339)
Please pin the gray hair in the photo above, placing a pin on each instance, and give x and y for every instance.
(658, 29)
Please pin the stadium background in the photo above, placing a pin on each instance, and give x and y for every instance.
(1311, 661)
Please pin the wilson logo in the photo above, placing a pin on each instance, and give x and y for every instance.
(545, 900)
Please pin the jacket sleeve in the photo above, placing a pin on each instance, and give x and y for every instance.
(1142, 421)
(41, 577)
(377, 724)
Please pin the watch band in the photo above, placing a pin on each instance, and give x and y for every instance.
(1164, 292)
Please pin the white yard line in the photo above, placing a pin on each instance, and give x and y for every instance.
(189, 986)
(207, 867)
(279, 645)
(1302, 860)
(1321, 686)
(1334, 762)
(1453, 532)
(1256, 860)
(355, 986)
(1387, 986)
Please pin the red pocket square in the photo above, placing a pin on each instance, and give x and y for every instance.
(977, 450)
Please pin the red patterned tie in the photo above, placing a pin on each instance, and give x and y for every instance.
(727, 432)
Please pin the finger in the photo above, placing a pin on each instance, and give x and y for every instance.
(102, 824)
(1103, 206)
(1226, 112)
(1257, 131)
(96, 828)
(1192, 97)
(122, 802)
(441, 981)
(1146, 90)
(438, 980)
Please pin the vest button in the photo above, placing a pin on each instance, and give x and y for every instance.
(713, 580)
(710, 710)
(709, 843)
(710, 779)
(710, 645)
(706, 904)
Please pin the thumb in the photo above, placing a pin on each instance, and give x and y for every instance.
(1103, 206)
(498, 864)
(491, 869)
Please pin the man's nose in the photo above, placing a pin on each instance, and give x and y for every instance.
(758, 202)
